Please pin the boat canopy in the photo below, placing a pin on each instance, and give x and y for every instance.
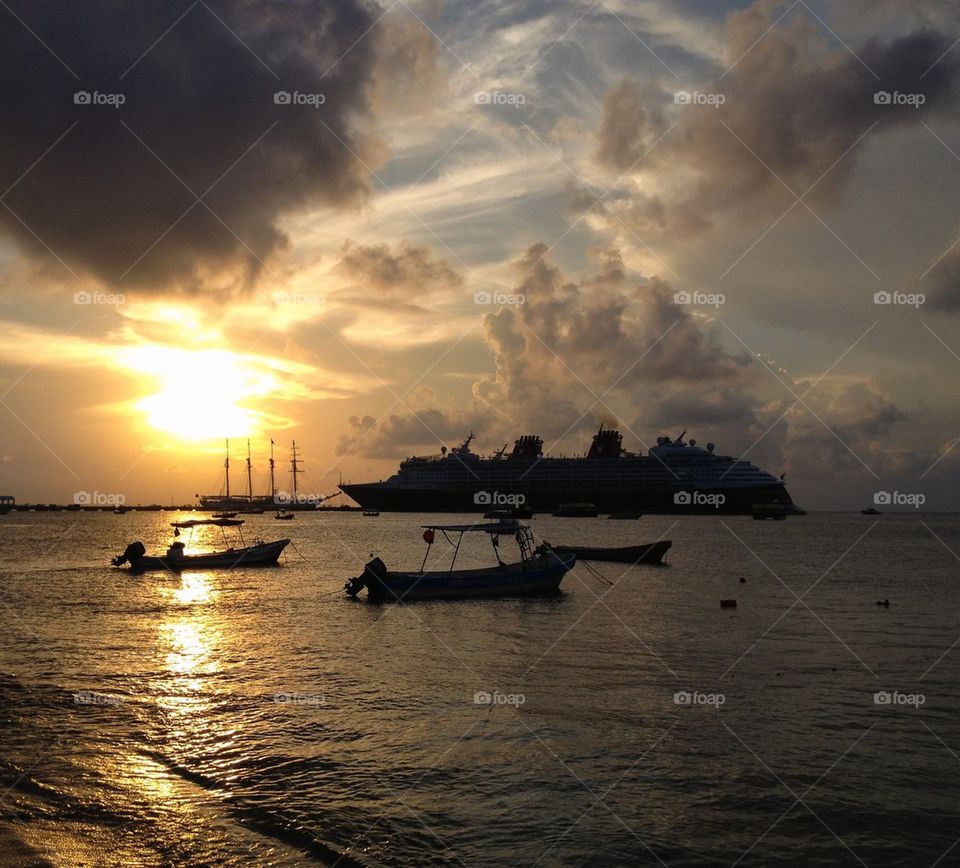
(492, 527)
(215, 522)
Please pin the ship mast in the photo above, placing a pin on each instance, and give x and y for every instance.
(294, 469)
(249, 475)
(226, 467)
(273, 491)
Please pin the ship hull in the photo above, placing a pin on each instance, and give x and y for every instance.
(653, 500)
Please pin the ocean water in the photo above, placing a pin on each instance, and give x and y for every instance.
(259, 717)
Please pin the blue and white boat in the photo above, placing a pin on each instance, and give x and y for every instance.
(539, 571)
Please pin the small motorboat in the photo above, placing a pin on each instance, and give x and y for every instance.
(576, 510)
(224, 515)
(283, 516)
(539, 571)
(625, 516)
(509, 514)
(176, 558)
(649, 553)
(871, 511)
(370, 513)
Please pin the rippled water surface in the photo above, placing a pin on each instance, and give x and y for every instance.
(259, 717)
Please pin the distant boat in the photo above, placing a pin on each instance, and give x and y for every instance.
(624, 516)
(770, 512)
(649, 553)
(224, 515)
(509, 514)
(576, 510)
(370, 513)
(176, 558)
(120, 510)
(284, 516)
(539, 571)
(871, 511)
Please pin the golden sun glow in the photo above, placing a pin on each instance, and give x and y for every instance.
(204, 393)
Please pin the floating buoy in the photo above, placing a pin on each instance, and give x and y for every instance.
(885, 603)
(743, 581)
(728, 604)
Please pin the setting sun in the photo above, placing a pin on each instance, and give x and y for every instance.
(203, 394)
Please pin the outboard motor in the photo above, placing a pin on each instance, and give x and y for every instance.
(375, 569)
(132, 553)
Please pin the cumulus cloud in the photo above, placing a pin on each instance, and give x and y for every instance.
(200, 94)
(401, 434)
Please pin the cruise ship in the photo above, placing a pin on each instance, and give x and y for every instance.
(675, 476)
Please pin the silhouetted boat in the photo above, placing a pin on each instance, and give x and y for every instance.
(283, 516)
(224, 515)
(871, 511)
(649, 553)
(539, 571)
(176, 558)
(576, 510)
(675, 476)
(625, 516)
(370, 513)
(509, 514)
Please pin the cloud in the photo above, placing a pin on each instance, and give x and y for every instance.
(795, 102)
(944, 282)
(200, 94)
(404, 279)
(400, 433)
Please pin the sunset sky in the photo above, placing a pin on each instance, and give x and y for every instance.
(374, 228)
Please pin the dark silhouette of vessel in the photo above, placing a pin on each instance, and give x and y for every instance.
(675, 476)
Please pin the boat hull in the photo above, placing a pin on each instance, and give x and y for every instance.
(539, 576)
(651, 553)
(659, 500)
(263, 555)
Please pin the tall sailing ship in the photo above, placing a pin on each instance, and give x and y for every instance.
(295, 499)
(675, 476)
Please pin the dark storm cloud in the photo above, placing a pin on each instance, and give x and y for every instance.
(795, 104)
(199, 92)
(942, 285)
